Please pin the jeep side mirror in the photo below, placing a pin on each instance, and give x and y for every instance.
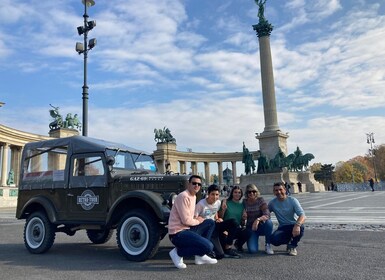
(110, 160)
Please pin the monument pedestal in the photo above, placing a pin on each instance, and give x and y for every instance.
(265, 182)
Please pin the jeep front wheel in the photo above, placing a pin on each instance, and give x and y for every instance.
(99, 236)
(39, 233)
(138, 235)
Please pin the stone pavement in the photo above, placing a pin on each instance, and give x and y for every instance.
(343, 240)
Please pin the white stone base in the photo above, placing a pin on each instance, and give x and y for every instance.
(265, 182)
(8, 197)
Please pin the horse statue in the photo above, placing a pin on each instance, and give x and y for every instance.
(168, 136)
(305, 159)
(159, 138)
(163, 136)
(289, 162)
(58, 122)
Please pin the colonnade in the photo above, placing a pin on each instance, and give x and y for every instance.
(176, 161)
(12, 142)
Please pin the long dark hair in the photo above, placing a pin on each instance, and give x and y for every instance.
(232, 192)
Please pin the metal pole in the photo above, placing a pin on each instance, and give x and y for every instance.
(370, 140)
(85, 86)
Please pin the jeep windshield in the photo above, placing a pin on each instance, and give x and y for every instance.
(125, 160)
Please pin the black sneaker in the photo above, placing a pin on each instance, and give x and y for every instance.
(238, 246)
(231, 253)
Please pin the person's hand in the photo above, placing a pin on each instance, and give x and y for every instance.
(219, 220)
(296, 230)
(200, 219)
(264, 218)
(255, 225)
(224, 205)
(244, 215)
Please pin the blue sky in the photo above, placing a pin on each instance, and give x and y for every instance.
(193, 66)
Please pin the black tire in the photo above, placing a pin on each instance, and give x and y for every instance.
(138, 235)
(99, 236)
(39, 233)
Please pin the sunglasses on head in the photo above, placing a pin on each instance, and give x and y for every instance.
(196, 184)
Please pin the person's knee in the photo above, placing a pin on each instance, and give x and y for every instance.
(209, 222)
(274, 240)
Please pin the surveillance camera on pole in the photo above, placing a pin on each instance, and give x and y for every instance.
(83, 48)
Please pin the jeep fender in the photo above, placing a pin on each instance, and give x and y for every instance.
(155, 201)
(36, 203)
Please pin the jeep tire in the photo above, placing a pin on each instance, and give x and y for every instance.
(138, 235)
(39, 233)
(99, 236)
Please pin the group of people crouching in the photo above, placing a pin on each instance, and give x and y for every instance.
(212, 229)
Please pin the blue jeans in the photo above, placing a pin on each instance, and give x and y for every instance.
(194, 241)
(264, 229)
(283, 235)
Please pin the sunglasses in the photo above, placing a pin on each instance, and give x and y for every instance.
(252, 192)
(196, 184)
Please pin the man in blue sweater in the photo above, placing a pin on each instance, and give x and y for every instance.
(290, 216)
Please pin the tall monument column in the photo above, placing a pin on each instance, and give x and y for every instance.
(271, 139)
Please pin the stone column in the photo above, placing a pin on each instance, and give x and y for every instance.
(234, 167)
(15, 162)
(194, 169)
(271, 139)
(207, 172)
(4, 165)
(220, 173)
(268, 91)
(182, 167)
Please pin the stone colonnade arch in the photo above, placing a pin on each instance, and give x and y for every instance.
(12, 142)
(166, 153)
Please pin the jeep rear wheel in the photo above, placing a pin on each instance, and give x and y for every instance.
(39, 233)
(138, 235)
(99, 236)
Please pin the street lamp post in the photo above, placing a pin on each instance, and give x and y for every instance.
(370, 141)
(83, 48)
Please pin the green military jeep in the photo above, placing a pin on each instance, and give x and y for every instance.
(81, 183)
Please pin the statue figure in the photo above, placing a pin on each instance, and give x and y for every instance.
(11, 178)
(168, 137)
(279, 159)
(163, 136)
(297, 164)
(261, 11)
(248, 160)
(58, 119)
(263, 164)
(76, 123)
(69, 122)
(289, 162)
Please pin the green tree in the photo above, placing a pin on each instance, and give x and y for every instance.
(323, 173)
(380, 162)
(344, 172)
(378, 159)
(315, 167)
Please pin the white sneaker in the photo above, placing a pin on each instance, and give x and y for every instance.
(205, 260)
(269, 250)
(178, 261)
(292, 251)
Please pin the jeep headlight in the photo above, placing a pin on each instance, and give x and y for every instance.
(171, 199)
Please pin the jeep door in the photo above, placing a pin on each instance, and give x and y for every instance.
(88, 194)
